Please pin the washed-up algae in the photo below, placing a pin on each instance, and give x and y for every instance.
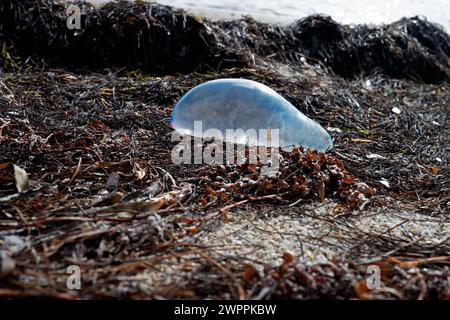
(163, 40)
(87, 179)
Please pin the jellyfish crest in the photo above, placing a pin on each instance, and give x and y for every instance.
(246, 106)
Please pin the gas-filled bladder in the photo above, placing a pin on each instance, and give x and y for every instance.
(246, 112)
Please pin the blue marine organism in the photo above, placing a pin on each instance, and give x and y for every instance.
(245, 104)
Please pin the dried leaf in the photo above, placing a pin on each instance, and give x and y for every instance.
(10, 172)
(362, 291)
(109, 199)
(22, 182)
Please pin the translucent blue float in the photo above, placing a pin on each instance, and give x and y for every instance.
(245, 104)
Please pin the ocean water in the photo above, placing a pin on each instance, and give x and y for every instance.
(344, 11)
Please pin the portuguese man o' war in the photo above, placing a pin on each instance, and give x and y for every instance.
(245, 104)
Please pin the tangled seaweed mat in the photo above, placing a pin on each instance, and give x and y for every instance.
(86, 176)
(160, 39)
(102, 191)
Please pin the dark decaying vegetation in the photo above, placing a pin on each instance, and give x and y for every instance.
(86, 176)
(160, 39)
